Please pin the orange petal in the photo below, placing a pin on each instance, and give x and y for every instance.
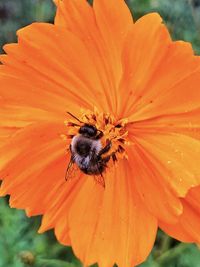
(21, 92)
(34, 167)
(75, 15)
(160, 76)
(56, 213)
(186, 123)
(144, 49)
(35, 86)
(176, 157)
(191, 213)
(22, 104)
(30, 92)
(188, 227)
(21, 116)
(178, 75)
(177, 231)
(5, 133)
(30, 189)
(114, 21)
(77, 81)
(116, 223)
(24, 101)
(155, 191)
(183, 96)
(100, 36)
(78, 17)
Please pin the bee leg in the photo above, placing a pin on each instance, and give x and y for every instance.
(114, 158)
(99, 135)
(107, 158)
(105, 149)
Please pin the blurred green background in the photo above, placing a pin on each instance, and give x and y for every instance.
(20, 245)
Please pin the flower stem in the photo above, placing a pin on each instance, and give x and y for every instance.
(30, 260)
(165, 245)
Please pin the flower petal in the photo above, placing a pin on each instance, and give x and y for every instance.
(56, 213)
(23, 167)
(156, 193)
(114, 21)
(75, 16)
(176, 231)
(186, 123)
(101, 37)
(5, 133)
(116, 223)
(37, 87)
(23, 103)
(144, 49)
(160, 76)
(184, 96)
(78, 17)
(188, 227)
(176, 157)
(74, 81)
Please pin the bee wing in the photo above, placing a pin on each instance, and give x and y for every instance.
(71, 171)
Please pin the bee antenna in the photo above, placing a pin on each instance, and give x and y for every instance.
(74, 116)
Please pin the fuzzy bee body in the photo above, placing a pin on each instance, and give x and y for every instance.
(88, 153)
(85, 153)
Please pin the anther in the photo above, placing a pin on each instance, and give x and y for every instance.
(120, 149)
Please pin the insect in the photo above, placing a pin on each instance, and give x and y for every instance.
(88, 154)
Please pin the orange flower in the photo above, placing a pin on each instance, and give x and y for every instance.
(134, 85)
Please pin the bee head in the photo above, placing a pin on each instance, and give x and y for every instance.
(88, 130)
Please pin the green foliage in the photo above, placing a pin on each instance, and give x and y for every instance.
(15, 14)
(182, 255)
(19, 240)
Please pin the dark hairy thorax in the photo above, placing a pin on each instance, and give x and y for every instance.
(83, 147)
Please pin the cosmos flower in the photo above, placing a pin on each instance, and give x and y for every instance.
(137, 87)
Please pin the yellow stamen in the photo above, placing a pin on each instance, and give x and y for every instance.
(113, 130)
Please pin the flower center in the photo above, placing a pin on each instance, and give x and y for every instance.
(109, 134)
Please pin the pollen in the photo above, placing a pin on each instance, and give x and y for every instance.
(113, 131)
